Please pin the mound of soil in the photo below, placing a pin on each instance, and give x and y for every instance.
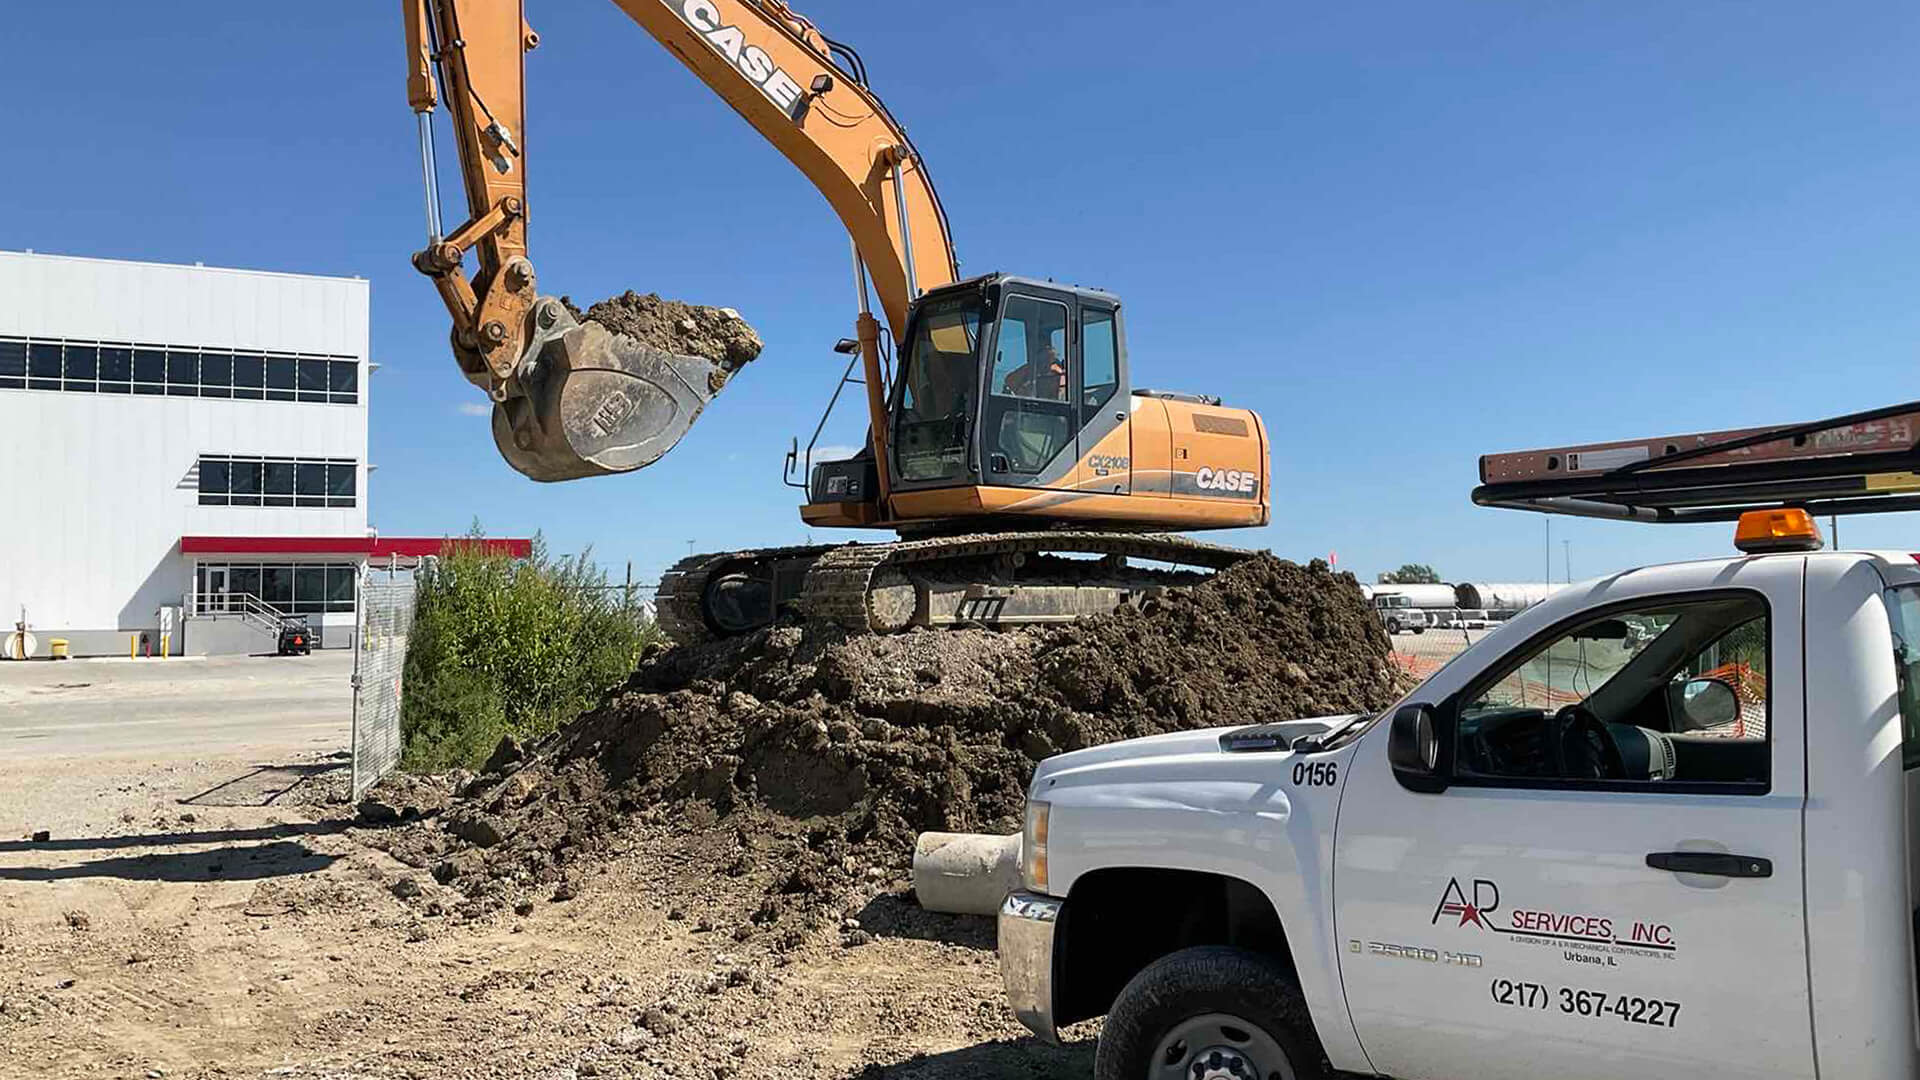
(717, 334)
(825, 754)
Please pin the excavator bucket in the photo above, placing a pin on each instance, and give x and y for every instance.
(595, 402)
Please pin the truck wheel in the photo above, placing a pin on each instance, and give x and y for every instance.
(1209, 1013)
(1419, 629)
(1393, 627)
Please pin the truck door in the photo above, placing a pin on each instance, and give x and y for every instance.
(1609, 883)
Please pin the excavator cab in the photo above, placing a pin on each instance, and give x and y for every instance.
(1006, 382)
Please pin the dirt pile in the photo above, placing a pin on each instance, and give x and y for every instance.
(823, 754)
(717, 334)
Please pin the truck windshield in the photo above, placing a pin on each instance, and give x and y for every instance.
(939, 387)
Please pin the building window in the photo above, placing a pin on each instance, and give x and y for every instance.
(311, 379)
(183, 372)
(176, 371)
(228, 480)
(279, 378)
(340, 480)
(83, 368)
(116, 369)
(13, 364)
(43, 365)
(216, 374)
(277, 485)
(290, 588)
(249, 376)
(343, 381)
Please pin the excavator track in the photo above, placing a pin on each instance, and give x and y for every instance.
(867, 588)
(680, 603)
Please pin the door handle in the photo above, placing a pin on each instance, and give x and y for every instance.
(1711, 862)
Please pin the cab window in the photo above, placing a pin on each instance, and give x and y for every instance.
(1031, 361)
(1032, 419)
(1669, 693)
(1100, 360)
(938, 391)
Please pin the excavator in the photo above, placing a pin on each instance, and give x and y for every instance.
(1007, 448)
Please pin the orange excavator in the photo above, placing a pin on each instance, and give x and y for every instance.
(1004, 438)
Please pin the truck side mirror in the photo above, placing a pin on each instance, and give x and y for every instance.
(1413, 749)
(1699, 704)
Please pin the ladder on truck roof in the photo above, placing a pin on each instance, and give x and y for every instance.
(1861, 463)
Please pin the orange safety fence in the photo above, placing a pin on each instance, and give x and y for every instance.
(1750, 687)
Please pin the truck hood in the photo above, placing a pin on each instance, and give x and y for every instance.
(1267, 741)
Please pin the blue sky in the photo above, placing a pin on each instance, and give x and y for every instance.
(1406, 233)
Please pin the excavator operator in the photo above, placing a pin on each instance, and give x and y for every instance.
(1043, 376)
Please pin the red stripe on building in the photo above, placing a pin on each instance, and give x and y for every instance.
(375, 547)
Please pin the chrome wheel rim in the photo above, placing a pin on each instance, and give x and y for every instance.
(1219, 1046)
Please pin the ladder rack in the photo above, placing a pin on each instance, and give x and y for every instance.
(1861, 463)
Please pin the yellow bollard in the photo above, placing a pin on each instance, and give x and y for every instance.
(163, 645)
(133, 646)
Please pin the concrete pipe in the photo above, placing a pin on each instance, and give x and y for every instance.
(965, 873)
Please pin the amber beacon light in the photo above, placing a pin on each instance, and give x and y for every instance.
(1762, 532)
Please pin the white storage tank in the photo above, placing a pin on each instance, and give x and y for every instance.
(1501, 596)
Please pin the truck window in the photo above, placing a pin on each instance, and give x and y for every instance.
(1670, 693)
(1903, 612)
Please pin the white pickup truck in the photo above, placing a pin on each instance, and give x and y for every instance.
(1660, 825)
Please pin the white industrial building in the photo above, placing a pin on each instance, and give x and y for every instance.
(183, 449)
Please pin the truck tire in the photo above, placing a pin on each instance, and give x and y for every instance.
(1393, 626)
(1231, 1012)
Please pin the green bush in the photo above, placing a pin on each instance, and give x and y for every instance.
(509, 646)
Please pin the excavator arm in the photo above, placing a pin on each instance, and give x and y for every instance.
(573, 399)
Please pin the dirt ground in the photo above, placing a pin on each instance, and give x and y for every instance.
(704, 877)
(823, 754)
(221, 916)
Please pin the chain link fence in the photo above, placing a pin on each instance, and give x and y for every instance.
(1420, 655)
(379, 658)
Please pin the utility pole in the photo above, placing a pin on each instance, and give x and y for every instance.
(627, 603)
(1566, 548)
(1549, 577)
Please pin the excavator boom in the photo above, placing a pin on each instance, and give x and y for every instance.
(573, 399)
